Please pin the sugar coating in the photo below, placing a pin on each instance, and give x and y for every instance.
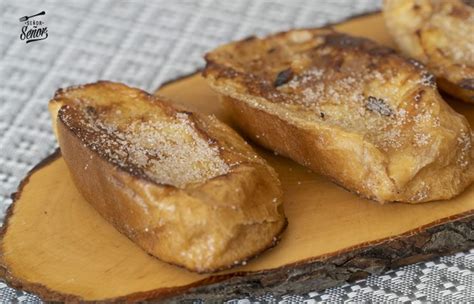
(342, 82)
(361, 94)
(167, 150)
(364, 101)
(465, 143)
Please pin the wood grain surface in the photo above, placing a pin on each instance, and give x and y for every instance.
(56, 245)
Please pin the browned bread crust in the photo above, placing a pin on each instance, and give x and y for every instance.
(439, 33)
(183, 186)
(346, 107)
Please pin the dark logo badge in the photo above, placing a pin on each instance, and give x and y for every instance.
(33, 30)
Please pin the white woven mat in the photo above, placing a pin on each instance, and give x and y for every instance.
(143, 44)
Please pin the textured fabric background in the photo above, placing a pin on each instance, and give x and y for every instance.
(144, 43)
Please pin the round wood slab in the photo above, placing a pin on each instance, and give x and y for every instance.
(56, 245)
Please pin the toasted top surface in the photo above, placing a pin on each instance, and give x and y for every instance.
(332, 79)
(140, 133)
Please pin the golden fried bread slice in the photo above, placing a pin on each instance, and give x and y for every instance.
(439, 33)
(348, 108)
(183, 186)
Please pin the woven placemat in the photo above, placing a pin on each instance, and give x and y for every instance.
(144, 43)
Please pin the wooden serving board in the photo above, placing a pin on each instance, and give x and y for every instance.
(55, 245)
